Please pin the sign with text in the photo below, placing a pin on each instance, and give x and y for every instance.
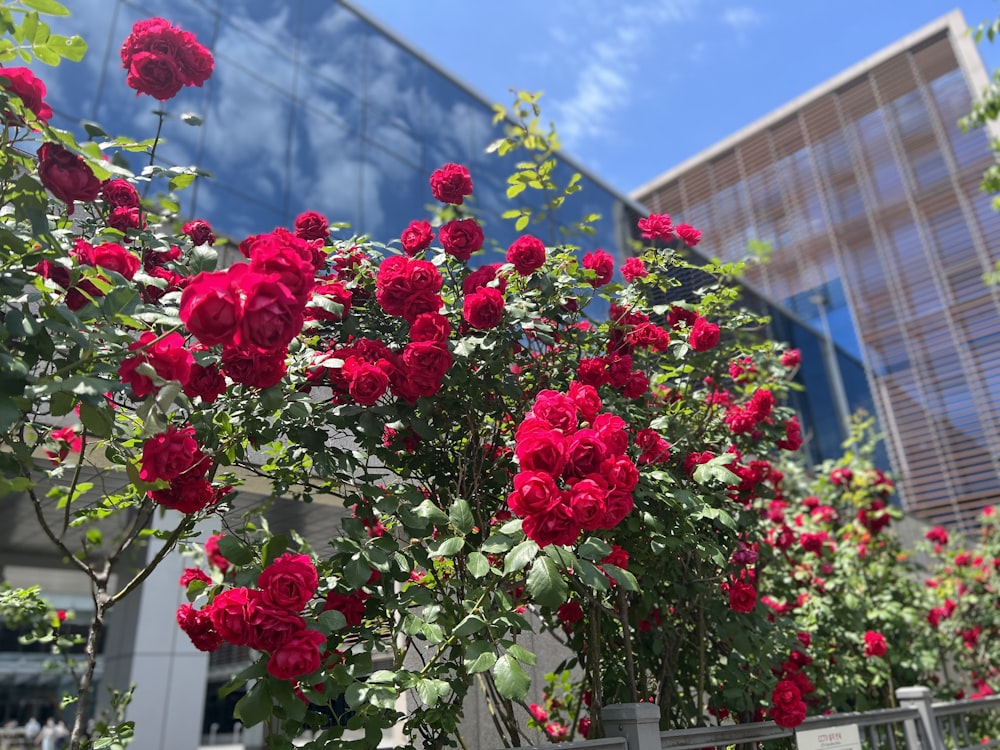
(834, 738)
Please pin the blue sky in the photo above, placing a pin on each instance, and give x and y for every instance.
(638, 86)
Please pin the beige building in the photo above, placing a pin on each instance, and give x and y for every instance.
(868, 193)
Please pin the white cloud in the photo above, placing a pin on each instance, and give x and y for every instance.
(605, 69)
(741, 19)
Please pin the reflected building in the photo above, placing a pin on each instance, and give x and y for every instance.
(868, 192)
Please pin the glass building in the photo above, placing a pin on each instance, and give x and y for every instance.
(868, 192)
(313, 106)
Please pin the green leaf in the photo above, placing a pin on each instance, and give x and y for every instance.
(331, 621)
(48, 7)
(97, 420)
(431, 690)
(273, 548)
(478, 564)
(522, 223)
(9, 413)
(468, 625)
(591, 575)
(448, 547)
(255, 706)
(480, 656)
(624, 578)
(254, 671)
(519, 557)
(461, 516)
(357, 571)
(511, 679)
(431, 512)
(234, 550)
(545, 584)
(594, 549)
(521, 654)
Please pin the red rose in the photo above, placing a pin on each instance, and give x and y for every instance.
(194, 574)
(66, 175)
(557, 525)
(215, 557)
(113, 257)
(588, 503)
(451, 183)
(585, 451)
(534, 492)
(791, 358)
(30, 89)
(742, 596)
(200, 232)
(367, 383)
(787, 707)
(617, 557)
(602, 264)
(461, 238)
(484, 309)
(620, 472)
(637, 385)
(427, 362)
(124, 218)
(272, 627)
(416, 237)
(206, 382)
(543, 451)
(155, 75)
(198, 626)
(166, 354)
(586, 399)
(482, 276)
(289, 582)
(688, 234)
(681, 316)
(211, 308)
(611, 429)
(704, 335)
(617, 506)
(169, 454)
(230, 613)
(272, 316)
(297, 656)
(333, 291)
(254, 368)
(793, 435)
(288, 265)
(187, 494)
(570, 613)
(657, 227)
(527, 254)
(311, 225)
(430, 326)
(120, 193)
(633, 269)
(351, 606)
(161, 59)
(558, 409)
(875, 644)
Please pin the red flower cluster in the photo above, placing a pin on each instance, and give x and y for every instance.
(787, 707)
(268, 618)
(657, 227)
(165, 354)
(406, 287)
(614, 370)
(704, 335)
(574, 474)
(633, 268)
(123, 205)
(66, 441)
(744, 419)
(174, 456)
(161, 59)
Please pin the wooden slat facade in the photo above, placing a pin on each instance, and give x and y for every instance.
(872, 187)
